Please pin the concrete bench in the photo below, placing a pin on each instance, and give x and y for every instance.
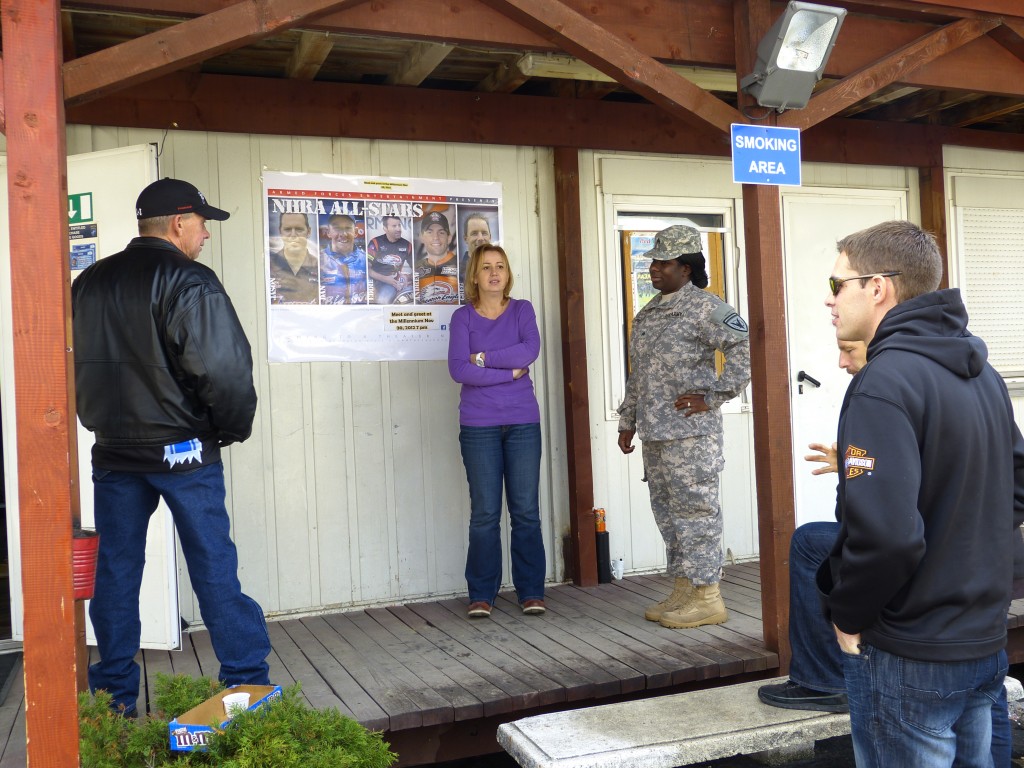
(666, 731)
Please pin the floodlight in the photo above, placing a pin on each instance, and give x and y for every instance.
(792, 56)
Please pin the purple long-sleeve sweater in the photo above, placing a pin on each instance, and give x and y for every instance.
(490, 396)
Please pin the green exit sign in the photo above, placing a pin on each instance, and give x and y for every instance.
(80, 208)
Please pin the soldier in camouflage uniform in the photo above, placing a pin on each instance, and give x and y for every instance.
(672, 402)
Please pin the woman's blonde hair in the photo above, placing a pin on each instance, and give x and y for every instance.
(471, 290)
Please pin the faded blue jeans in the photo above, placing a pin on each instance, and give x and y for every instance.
(124, 502)
(919, 714)
(817, 662)
(506, 456)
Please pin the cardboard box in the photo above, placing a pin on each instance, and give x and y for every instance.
(191, 730)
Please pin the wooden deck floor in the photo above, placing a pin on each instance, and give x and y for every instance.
(423, 670)
(439, 683)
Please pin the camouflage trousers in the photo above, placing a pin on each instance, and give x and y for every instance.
(682, 476)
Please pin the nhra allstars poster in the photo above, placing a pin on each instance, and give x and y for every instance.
(369, 268)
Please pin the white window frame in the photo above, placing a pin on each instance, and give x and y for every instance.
(612, 287)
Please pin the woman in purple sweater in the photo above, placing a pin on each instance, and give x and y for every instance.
(494, 340)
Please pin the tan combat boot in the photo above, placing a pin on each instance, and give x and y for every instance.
(681, 595)
(706, 607)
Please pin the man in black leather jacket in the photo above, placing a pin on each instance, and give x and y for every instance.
(163, 372)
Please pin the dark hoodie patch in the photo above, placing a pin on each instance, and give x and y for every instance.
(856, 462)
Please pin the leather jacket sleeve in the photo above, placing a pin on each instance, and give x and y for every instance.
(214, 360)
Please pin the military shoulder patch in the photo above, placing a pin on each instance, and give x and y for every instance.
(856, 462)
(736, 322)
(728, 317)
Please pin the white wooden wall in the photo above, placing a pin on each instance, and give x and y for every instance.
(351, 489)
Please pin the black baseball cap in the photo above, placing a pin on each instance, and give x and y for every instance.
(167, 197)
(435, 217)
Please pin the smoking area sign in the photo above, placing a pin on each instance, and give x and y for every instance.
(765, 155)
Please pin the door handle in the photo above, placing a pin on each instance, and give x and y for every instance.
(802, 377)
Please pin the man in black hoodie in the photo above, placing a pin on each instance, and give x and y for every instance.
(931, 488)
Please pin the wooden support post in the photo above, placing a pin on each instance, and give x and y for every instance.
(773, 434)
(44, 400)
(574, 365)
(932, 179)
(769, 362)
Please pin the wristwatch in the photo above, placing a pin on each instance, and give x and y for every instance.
(479, 358)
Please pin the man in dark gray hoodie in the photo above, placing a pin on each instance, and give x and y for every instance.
(931, 488)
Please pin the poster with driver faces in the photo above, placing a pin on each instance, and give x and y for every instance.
(369, 268)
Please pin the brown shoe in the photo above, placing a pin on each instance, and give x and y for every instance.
(533, 607)
(479, 610)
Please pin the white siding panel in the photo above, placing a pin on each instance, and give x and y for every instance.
(332, 454)
(351, 489)
(376, 559)
(982, 159)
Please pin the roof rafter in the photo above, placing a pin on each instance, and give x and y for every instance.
(886, 71)
(612, 55)
(980, 111)
(67, 36)
(419, 62)
(185, 43)
(1011, 37)
(867, 35)
(917, 106)
(505, 78)
(1005, 7)
(309, 55)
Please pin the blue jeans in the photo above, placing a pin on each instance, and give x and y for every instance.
(494, 456)
(817, 662)
(922, 714)
(124, 502)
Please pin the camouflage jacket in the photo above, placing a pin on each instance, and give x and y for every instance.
(672, 351)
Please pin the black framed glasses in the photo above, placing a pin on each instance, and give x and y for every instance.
(835, 284)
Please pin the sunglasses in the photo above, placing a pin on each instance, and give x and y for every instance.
(835, 284)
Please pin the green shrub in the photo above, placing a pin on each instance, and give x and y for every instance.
(283, 733)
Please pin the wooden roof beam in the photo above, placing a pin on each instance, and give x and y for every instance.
(621, 61)
(67, 36)
(980, 111)
(894, 93)
(419, 62)
(188, 42)
(708, 43)
(918, 106)
(505, 78)
(886, 71)
(309, 55)
(1011, 36)
(221, 103)
(594, 90)
(1004, 7)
